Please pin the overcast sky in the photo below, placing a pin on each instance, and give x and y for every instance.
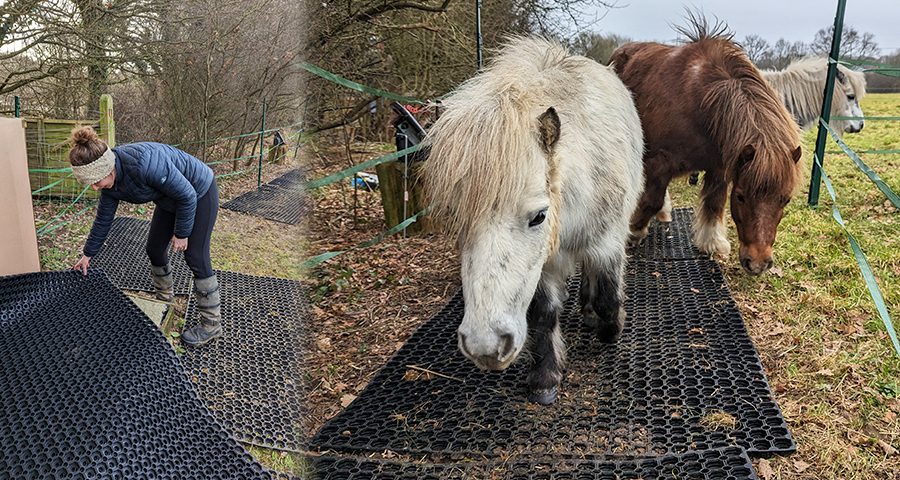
(771, 19)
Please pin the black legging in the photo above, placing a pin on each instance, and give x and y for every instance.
(162, 228)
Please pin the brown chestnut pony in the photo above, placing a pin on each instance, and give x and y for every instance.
(705, 106)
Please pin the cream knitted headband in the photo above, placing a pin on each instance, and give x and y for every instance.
(96, 170)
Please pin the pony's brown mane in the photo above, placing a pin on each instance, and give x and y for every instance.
(742, 109)
(698, 28)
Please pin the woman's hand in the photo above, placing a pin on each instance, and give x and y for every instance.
(83, 264)
(179, 244)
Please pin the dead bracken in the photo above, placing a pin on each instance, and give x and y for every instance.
(718, 420)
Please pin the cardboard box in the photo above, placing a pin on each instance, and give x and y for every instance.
(18, 239)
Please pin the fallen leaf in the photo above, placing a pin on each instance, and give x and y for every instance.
(825, 372)
(324, 344)
(888, 449)
(800, 466)
(656, 274)
(347, 399)
(696, 330)
(695, 290)
(776, 271)
(765, 470)
(848, 329)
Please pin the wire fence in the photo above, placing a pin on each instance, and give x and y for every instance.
(356, 169)
(859, 256)
(59, 199)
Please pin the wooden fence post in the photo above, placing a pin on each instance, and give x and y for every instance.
(107, 120)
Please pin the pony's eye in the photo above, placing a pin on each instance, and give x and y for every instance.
(851, 97)
(739, 197)
(538, 218)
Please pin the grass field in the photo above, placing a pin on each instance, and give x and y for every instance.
(825, 349)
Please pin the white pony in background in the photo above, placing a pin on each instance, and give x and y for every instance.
(536, 165)
(800, 87)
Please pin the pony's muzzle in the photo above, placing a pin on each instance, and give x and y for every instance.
(756, 260)
(853, 127)
(495, 353)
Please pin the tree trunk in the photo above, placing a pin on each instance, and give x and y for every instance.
(95, 50)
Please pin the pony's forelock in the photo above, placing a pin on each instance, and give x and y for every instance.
(485, 148)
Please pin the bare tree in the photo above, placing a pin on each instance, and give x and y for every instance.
(45, 39)
(598, 46)
(421, 48)
(756, 47)
(221, 60)
(854, 45)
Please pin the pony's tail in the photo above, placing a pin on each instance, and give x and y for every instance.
(699, 28)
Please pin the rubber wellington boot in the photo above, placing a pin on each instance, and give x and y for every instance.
(206, 291)
(163, 282)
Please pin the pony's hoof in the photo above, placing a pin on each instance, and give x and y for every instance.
(713, 245)
(664, 216)
(590, 319)
(546, 396)
(637, 236)
(721, 248)
(608, 333)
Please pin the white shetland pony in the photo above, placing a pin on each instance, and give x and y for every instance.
(535, 166)
(800, 87)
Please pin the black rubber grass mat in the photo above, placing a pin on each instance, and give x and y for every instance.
(292, 179)
(124, 258)
(90, 388)
(721, 464)
(669, 241)
(683, 376)
(285, 205)
(250, 378)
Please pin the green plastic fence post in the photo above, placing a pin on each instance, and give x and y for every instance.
(107, 120)
(18, 106)
(822, 134)
(262, 138)
(478, 56)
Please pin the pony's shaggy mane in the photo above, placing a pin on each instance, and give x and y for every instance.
(486, 146)
(801, 85)
(698, 27)
(742, 109)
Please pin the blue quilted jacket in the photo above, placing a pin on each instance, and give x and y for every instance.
(152, 172)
